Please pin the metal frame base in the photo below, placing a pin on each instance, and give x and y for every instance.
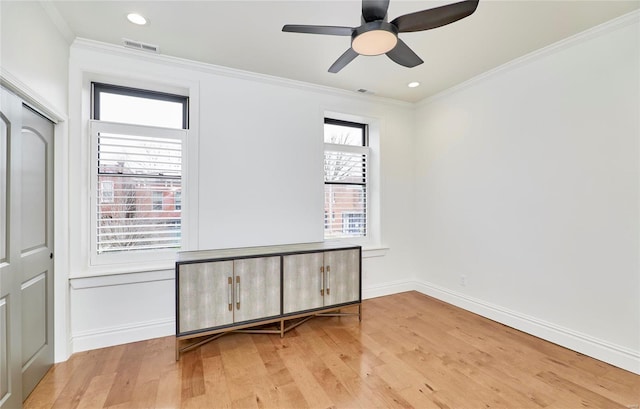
(254, 328)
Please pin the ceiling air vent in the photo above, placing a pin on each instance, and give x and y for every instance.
(364, 91)
(137, 45)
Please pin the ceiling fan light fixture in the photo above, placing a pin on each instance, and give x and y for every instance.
(374, 38)
(374, 42)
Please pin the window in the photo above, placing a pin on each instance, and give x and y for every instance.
(346, 154)
(137, 169)
(113, 103)
(156, 200)
(106, 189)
(177, 200)
(353, 223)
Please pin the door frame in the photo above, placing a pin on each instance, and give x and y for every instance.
(61, 309)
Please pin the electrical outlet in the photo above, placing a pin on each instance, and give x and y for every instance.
(463, 280)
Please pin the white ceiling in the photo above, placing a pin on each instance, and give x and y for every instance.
(247, 35)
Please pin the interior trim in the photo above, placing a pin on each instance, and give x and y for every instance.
(31, 97)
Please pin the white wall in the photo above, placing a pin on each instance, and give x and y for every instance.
(527, 183)
(33, 51)
(34, 55)
(255, 165)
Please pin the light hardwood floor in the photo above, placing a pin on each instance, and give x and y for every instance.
(409, 351)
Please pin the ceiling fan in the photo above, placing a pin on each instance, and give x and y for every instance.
(376, 36)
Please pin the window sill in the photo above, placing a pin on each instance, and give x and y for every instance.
(106, 280)
(374, 251)
(369, 247)
(131, 273)
(121, 269)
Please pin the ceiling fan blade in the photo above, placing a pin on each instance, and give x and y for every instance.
(329, 30)
(343, 60)
(404, 55)
(436, 17)
(373, 10)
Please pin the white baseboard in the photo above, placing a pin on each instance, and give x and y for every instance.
(118, 335)
(393, 287)
(616, 355)
(106, 337)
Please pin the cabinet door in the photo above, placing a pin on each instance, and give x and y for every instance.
(256, 288)
(342, 276)
(303, 282)
(205, 295)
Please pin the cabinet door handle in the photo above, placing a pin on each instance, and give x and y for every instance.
(230, 282)
(328, 279)
(237, 292)
(322, 281)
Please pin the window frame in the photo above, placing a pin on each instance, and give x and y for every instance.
(351, 124)
(132, 256)
(364, 149)
(98, 87)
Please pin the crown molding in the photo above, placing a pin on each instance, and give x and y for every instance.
(167, 60)
(593, 32)
(57, 20)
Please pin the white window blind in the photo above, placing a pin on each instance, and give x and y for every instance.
(138, 178)
(345, 190)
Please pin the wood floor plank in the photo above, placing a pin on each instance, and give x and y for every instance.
(330, 383)
(85, 368)
(410, 351)
(587, 397)
(312, 392)
(216, 381)
(380, 394)
(169, 388)
(50, 387)
(421, 397)
(124, 386)
(192, 375)
(96, 393)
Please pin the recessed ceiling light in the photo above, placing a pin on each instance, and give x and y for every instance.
(413, 84)
(136, 18)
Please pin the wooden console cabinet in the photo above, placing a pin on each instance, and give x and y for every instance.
(244, 289)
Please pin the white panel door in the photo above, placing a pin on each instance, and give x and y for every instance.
(342, 276)
(303, 282)
(256, 288)
(205, 294)
(36, 249)
(26, 249)
(10, 321)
